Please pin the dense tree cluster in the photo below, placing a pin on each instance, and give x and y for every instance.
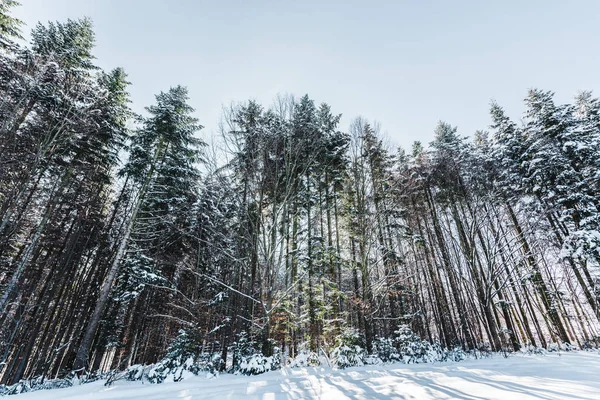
(121, 235)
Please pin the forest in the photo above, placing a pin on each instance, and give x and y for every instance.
(126, 238)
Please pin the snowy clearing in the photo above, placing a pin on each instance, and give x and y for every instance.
(552, 376)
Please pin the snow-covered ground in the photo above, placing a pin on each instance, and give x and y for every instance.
(553, 376)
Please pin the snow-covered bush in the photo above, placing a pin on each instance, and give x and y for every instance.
(553, 347)
(258, 364)
(158, 373)
(305, 358)
(187, 344)
(456, 354)
(590, 344)
(372, 359)
(348, 356)
(34, 384)
(484, 347)
(556, 347)
(153, 373)
(478, 354)
(277, 358)
(248, 360)
(436, 353)
(242, 349)
(531, 350)
(210, 363)
(349, 351)
(184, 356)
(410, 346)
(385, 350)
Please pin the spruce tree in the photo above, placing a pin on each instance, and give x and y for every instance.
(9, 26)
(163, 170)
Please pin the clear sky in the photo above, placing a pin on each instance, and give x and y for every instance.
(404, 63)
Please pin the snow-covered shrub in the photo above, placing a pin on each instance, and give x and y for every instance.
(158, 373)
(372, 359)
(35, 384)
(276, 358)
(153, 373)
(132, 373)
(568, 347)
(248, 360)
(436, 353)
(210, 363)
(531, 350)
(258, 364)
(385, 350)
(553, 347)
(484, 347)
(556, 347)
(349, 351)
(187, 344)
(243, 348)
(478, 354)
(348, 356)
(305, 358)
(410, 346)
(456, 354)
(184, 356)
(590, 344)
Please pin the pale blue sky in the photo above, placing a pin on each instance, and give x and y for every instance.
(406, 64)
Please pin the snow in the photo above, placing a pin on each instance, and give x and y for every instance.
(571, 375)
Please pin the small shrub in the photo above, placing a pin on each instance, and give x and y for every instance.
(305, 358)
(257, 364)
(410, 346)
(349, 351)
(385, 350)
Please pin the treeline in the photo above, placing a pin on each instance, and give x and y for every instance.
(119, 232)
